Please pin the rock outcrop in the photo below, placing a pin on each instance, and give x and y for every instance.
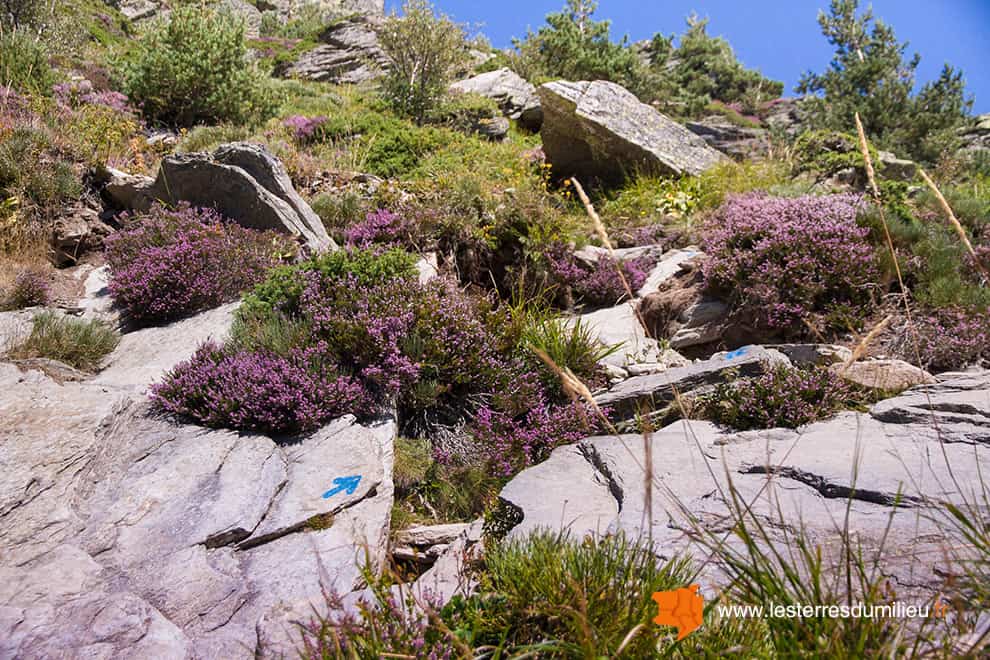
(348, 53)
(600, 130)
(871, 469)
(736, 141)
(515, 96)
(243, 181)
(130, 535)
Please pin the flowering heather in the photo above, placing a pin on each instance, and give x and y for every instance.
(951, 338)
(511, 444)
(173, 263)
(783, 397)
(600, 284)
(76, 93)
(303, 128)
(29, 288)
(379, 227)
(258, 392)
(392, 626)
(785, 259)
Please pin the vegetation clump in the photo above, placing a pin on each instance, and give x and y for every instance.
(194, 68)
(171, 263)
(79, 343)
(784, 260)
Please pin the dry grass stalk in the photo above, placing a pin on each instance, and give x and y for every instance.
(603, 236)
(860, 349)
(951, 217)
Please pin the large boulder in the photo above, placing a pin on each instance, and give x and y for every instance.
(515, 96)
(876, 472)
(129, 535)
(600, 130)
(349, 53)
(242, 181)
(328, 8)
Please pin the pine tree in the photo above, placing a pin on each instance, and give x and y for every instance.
(869, 74)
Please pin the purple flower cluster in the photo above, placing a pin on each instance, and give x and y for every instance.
(258, 392)
(29, 288)
(380, 227)
(600, 284)
(303, 128)
(391, 625)
(81, 92)
(785, 259)
(513, 443)
(173, 263)
(951, 338)
(783, 397)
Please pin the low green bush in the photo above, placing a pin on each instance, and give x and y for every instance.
(36, 170)
(78, 343)
(193, 68)
(24, 63)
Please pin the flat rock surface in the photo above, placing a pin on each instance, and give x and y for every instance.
(125, 534)
(874, 470)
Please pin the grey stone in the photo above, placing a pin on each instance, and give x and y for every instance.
(493, 128)
(701, 323)
(958, 407)
(574, 496)
(658, 389)
(246, 184)
(428, 535)
(813, 355)
(669, 265)
(349, 53)
(878, 474)
(143, 356)
(899, 169)
(515, 96)
(138, 10)
(885, 375)
(619, 325)
(600, 130)
(120, 528)
(591, 254)
(732, 140)
(126, 191)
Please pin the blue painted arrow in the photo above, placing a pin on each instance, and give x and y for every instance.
(348, 484)
(739, 352)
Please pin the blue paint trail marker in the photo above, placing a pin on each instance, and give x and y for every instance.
(346, 484)
(739, 352)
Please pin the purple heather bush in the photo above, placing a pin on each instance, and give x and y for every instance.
(784, 260)
(513, 443)
(783, 397)
(170, 263)
(951, 338)
(77, 93)
(601, 284)
(393, 625)
(258, 392)
(29, 288)
(302, 128)
(380, 228)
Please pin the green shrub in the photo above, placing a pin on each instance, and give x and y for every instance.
(193, 68)
(392, 147)
(574, 46)
(20, 13)
(827, 152)
(572, 346)
(34, 169)
(782, 397)
(881, 88)
(79, 343)
(424, 53)
(24, 63)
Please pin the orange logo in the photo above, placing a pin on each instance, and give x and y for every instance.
(940, 608)
(681, 608)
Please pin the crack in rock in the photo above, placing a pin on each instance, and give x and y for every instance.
(598, 464)
(832, 490)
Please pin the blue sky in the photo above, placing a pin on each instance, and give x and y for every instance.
(779, 37)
